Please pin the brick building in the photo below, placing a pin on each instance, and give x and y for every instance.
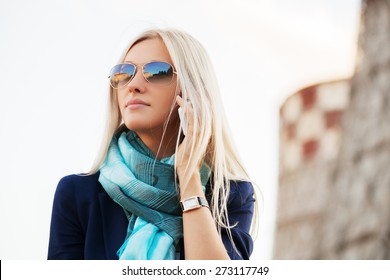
(334, 180)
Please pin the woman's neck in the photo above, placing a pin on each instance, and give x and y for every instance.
(153, 138)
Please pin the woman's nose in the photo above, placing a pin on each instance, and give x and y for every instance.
(137, 83)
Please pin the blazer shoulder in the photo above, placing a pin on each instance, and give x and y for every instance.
(241, 192)
(79, 183)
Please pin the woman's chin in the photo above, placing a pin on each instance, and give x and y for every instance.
(137, 126)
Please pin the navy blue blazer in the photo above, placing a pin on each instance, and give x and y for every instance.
(87, 224)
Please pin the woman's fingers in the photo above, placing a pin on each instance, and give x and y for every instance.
(179, 101)
(188, 111)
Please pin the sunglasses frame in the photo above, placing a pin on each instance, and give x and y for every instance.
(143, 73)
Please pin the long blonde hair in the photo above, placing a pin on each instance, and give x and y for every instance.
(212, 142)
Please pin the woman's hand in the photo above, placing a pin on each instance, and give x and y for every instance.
(190, 184)
(184, 149)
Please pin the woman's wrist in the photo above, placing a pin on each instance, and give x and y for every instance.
(192, 188)
(182, 171)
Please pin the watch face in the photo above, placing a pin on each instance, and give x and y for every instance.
(191, 203)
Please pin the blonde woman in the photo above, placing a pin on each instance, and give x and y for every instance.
(153, 192)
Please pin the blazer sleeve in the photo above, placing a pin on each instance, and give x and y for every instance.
(66, 235)
(240, 210)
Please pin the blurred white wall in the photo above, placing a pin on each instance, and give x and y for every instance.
(54, 62)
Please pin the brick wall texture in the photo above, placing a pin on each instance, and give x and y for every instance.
(334, 179)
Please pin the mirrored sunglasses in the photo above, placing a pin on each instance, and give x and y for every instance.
(155, 72)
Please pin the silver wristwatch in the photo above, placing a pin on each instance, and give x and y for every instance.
(193, 202)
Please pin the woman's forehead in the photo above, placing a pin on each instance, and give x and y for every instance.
(148, 50)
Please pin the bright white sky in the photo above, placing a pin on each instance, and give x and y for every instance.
(54, 62)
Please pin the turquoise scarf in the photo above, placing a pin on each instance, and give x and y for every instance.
(146, 190)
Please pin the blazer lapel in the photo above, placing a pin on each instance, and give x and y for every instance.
(114, 223)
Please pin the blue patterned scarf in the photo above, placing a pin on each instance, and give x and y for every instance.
(146, 190)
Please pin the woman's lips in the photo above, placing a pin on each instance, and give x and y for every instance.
(136, 103)
(136, 106)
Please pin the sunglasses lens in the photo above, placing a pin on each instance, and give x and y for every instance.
(158, 72)
(121, 74)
